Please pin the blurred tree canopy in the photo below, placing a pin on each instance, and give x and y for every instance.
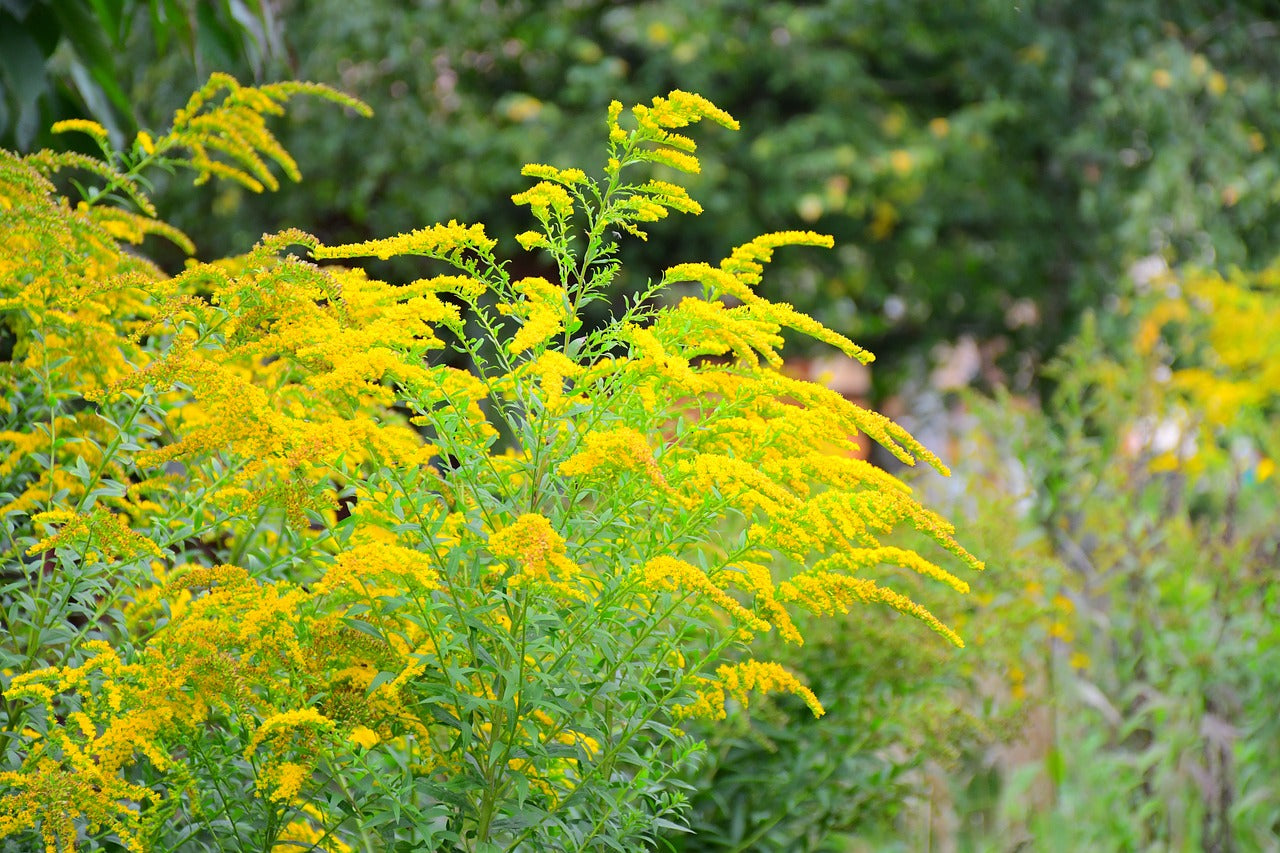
(81, 58)
(986, 168)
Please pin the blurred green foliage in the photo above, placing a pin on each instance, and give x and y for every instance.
(1156, 465)
(986, 167)
(81, 58)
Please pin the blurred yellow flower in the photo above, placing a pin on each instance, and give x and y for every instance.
(364, 737)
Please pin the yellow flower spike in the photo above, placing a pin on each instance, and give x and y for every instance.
(747, 261)
(80, 125)
(827, 593)
(530, 240)
(569, 177)
(381, 565)
(284, 782)
(545, 196)
(717, 281)
(675, 159)
(680, 108)
(670, 195)
(671, 574)
(552, 369)
(283, 723)
(757, 580)
(544, 312)
(765, 677)
(852, 561)
(539, 554)
(436, 241)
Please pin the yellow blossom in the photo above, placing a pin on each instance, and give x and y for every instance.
(364, 737)
(545, 196)
(539, 552)
(669, 573)
(544, 311)
(92, 128)
(279, 725)
(741, 679)
(436, 241)
(552, 370)
(614, 450)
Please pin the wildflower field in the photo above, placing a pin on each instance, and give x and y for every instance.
(467, 537)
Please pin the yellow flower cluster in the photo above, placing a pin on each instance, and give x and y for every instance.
(543, 312)
(437, 241)
(1228, 368)
(305, 832)
(568, 177)
(653, 124)
(236, 129)
(381, 568)
(80, 125)
(552, 370)
(669, 573)
(299, 731)
(738, 680)
(539, 553)
(100, 530)
(545, 196)
(614, 450)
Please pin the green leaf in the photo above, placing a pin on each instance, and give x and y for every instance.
(22, 78)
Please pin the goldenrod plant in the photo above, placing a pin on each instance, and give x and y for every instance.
(279, 573)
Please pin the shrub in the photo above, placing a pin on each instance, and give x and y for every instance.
(278, 573)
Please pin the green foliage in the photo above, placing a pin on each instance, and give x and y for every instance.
(1153, 472)
(62, 59)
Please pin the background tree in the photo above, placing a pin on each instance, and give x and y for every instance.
(986, 168)
(79, 58)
